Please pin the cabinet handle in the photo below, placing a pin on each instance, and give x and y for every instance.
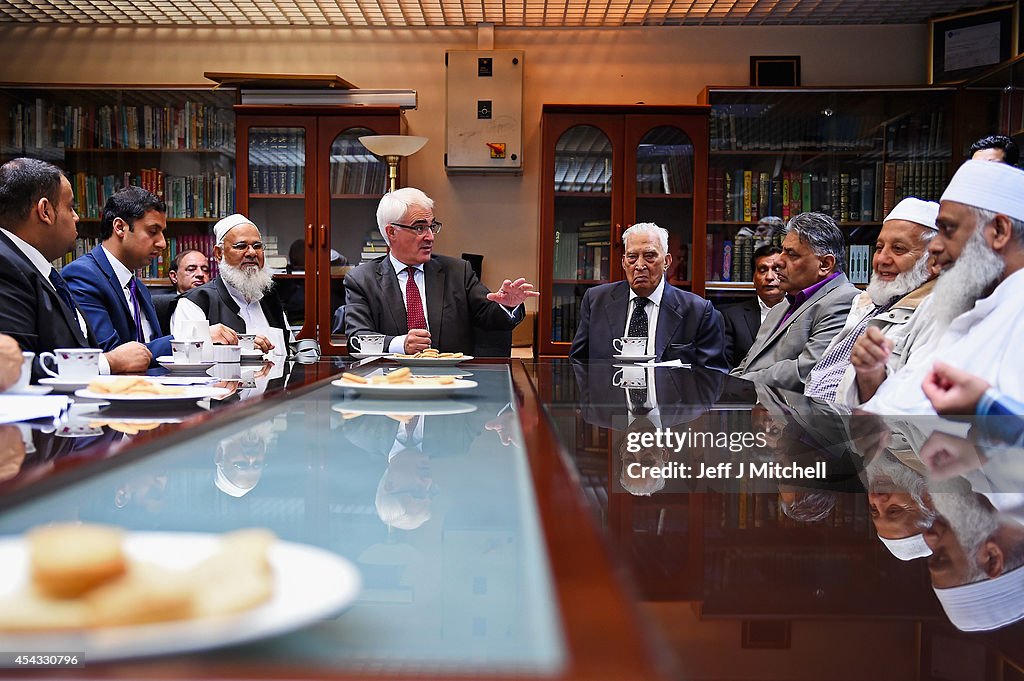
(323, 237)
(309, 235)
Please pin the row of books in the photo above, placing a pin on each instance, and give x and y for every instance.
(583, 173)
(584, 253)
(672, 176)
(374, 246)
(864, 194)
(210, 195)
(157, 268)
(192, 125)
(759, 127)
(277, 162)
(359, 177)
(565, 317)
(748, 510)
(730, 259)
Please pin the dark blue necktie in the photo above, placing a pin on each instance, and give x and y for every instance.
(62, 290)
(136, 311)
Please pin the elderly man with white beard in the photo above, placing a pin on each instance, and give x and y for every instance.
(977, 545)
(242, 298)
(980, 293)
(894, 304)
(899, 502)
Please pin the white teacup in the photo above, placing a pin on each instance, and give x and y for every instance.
(73, 364)
(231, 354)
(247, 341)
(630, 346)
(368, 344)
(227, 371)
(630, 377)
(196, 329)
(26, 372)
(187, 351)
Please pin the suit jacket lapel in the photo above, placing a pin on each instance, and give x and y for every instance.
(752, 315)
(615, 313)
(108, 271)
(392, 293)
(808, 304)
(669, 319)
(435, 277)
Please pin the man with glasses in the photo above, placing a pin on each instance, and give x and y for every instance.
(677, 324)
(242, 298)
(418, 299)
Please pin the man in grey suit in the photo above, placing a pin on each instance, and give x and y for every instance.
(795, 334)
(418, 299)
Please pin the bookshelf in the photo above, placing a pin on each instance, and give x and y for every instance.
(852, 153)
(313, 188)
(178, 143)
(606, 167)
(993, 103)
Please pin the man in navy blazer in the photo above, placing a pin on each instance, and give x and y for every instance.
(678, 324)
(115, 301)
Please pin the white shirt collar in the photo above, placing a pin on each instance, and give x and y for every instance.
(30, 251)
(123, 274)
(655, 297)
(400, 266)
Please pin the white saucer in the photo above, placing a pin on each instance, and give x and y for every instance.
(634, 358)
(167, 362)
(64, 385)
(368, 355)
(30, 390)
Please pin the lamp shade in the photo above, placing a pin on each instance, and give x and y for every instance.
(393, 145)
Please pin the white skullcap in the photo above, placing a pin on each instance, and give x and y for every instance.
(907, 548)
(225, 225)
(915, 210)
(990, 186)
(986, 605)
(228, 487)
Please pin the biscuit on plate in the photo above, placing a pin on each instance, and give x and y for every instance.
(69, 559)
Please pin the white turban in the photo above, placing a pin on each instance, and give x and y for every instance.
(225, 225)
(917, 211)
(989, 604)
(990, 186)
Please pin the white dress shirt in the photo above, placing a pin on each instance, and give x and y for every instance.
(40, 262)
(124, 277)
(984, 341)
(652, 311)
(765, 309)
(250, 312)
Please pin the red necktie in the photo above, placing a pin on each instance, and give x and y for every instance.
(413, 305)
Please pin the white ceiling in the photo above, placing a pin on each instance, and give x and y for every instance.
(522, 13)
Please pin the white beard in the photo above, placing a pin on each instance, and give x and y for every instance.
(252, 286)
(882, 292)
(970, 522)
(970, 278)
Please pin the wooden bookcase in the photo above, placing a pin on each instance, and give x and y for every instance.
(851, 153)
(604, 168)
(177, 142)
(309, 182)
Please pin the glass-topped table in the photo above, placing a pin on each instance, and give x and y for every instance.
(506, 532)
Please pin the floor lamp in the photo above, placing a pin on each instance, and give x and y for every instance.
(392, 148)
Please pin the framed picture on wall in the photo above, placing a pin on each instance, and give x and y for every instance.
(965, 44)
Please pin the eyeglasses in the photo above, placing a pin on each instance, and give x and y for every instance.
(242, 247)
(434, 227)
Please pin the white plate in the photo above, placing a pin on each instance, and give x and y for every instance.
(64, 385)
(430, 361)
(167, 362)
(310, 584)
(405, 391)
(402, 407)
(191, 394)
(634, 358)
(30, 390)
(368, 355)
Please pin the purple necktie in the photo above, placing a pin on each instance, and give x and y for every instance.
(139, 336)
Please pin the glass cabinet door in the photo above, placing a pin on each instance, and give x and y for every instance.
(664, 194)
(275, 200)
(357, 181)
(583, 216)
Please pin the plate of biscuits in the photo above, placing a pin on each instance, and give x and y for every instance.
(116, 595)
(129, 389)
(403, 384)
(431, 357)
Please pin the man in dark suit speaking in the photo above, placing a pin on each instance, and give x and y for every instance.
(742, 320)
(418, 299)
(678, 324)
